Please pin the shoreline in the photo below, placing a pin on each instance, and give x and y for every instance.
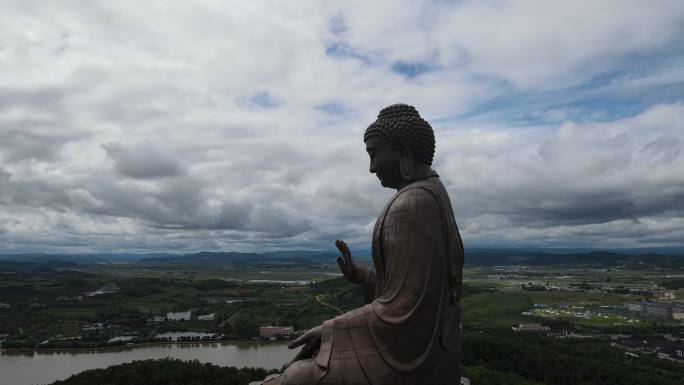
(133, 346)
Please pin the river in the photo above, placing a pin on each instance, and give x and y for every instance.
(29, 368)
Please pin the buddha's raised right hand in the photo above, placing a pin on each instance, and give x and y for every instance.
(346, 262)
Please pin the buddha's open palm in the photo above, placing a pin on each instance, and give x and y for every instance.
(346, 262)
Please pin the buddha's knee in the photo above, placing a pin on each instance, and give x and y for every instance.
(299, 373)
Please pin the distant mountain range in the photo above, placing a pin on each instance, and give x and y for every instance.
(47, 262)
(474, 257)
(35, 266)
(502, 257)
(303, 258)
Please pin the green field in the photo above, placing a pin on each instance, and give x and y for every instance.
(497, 309)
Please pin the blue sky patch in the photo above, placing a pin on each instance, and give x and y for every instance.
(332, 108)
(337, 25)
(342, 50)
(264, 99)
(411, 70)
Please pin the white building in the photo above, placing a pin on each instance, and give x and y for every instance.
(634, 306)
(179, 315)
(109, 288)
(664, 294)
(206, 317)
(531, 328)
(93, 327)
(120, 339)
(678, 312)
(273, 331)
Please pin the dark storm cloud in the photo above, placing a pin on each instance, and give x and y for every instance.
(35, 123)
(32, 140)
(549, 207)
(143, 161)
(40, 98)
(277, 222)
(180, 204)
(174, 204)
(31, 193)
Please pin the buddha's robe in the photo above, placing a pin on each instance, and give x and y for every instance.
(408, 330)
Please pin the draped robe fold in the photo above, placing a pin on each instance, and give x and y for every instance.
(408, 330)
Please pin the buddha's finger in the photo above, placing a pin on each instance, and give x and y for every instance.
(298, 357)
(340, 246)
(345, 250)
(307, 351)
(298, 341)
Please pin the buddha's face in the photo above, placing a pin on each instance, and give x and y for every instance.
(384, 162)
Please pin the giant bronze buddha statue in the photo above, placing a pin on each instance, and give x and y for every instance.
(408, 330)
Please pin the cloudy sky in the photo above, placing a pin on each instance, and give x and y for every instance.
(181, 126)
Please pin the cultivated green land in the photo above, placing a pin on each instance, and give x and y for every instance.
(53, 306)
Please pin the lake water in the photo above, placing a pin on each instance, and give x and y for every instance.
(29, 368)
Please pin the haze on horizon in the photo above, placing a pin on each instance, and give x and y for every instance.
(141, 127)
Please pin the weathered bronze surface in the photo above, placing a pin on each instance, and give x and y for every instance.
(408, 330)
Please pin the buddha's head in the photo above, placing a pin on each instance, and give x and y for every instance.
(400, 144)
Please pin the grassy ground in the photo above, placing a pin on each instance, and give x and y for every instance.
(481, 375)
(497, 309)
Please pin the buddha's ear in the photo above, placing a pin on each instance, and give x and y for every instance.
(406, 163)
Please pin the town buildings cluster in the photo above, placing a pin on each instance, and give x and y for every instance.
(669, 310)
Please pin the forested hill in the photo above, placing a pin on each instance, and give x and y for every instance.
(166, 371)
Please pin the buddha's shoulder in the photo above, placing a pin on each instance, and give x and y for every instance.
(415, 198)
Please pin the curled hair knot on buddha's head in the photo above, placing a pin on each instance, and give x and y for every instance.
(401, 124)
